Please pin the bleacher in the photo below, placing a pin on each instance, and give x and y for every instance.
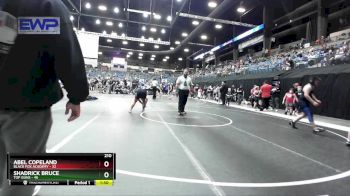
(291, 57)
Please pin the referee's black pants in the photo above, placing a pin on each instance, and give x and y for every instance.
(265, 103)
(154, 91)
(183, 95)
(223, 99)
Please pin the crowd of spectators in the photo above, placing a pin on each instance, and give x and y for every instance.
(323, 53)
(264, 97)
(119, 82)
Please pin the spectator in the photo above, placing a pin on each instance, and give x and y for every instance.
(223, 92)
(255, 96)
(289, 101)
(276, 93)
(240, 94)
(210, 92)
(265, 95)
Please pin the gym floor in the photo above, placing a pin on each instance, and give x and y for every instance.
(213, 150)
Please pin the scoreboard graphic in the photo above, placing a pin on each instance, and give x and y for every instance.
(83, 169)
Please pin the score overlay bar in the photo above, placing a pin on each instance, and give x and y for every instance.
(79, 169)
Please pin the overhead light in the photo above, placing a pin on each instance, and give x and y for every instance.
(130, 53)
(204, 37)
(99, 53)
(125, 42)
(164, 60)
(290, 21)
(195, 22)
(212, 4)
(153, 30)
(109, 40)
(167, 57)
(87, 5)
(241, 10)
(109, 23)
(156, 46)
(116, 10)
(140, 57)
(145, 15)
(163, 31)
(83, 29)
(142, 44)
(184, 34)
(98, 21)
(144, 28)
(180, 59)
(152, 59)
(172, 48)
(74, 28)
(104, 32)
(178, 0)
(140, 54)
(102, 7)
(127, 56)
(218, 26)
(169, 18)
(120, 25)
(153, 56)
(177, 42)
(71, 18)
(157, 16)
(186, 50)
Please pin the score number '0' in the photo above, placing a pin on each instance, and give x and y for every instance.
(106, 164)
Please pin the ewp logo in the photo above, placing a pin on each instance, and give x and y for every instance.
(38, 25)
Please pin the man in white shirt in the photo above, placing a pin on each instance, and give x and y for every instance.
(183, 85)
(154, 88)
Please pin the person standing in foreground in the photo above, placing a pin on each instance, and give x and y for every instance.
(223, 92)
(308, 97)
(141, 96)
(265, 95)
(183, 84)
(29, 75)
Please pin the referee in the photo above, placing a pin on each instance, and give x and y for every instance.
(183, 84)
(154, 88)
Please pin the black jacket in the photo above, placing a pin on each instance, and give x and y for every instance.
(30, 72)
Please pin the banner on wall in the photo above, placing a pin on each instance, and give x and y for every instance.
(89, 46)
(119, 64)
(340, 34)
(251, 42)
(92, 62)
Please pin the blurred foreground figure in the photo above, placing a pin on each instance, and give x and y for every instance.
(31, 66)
